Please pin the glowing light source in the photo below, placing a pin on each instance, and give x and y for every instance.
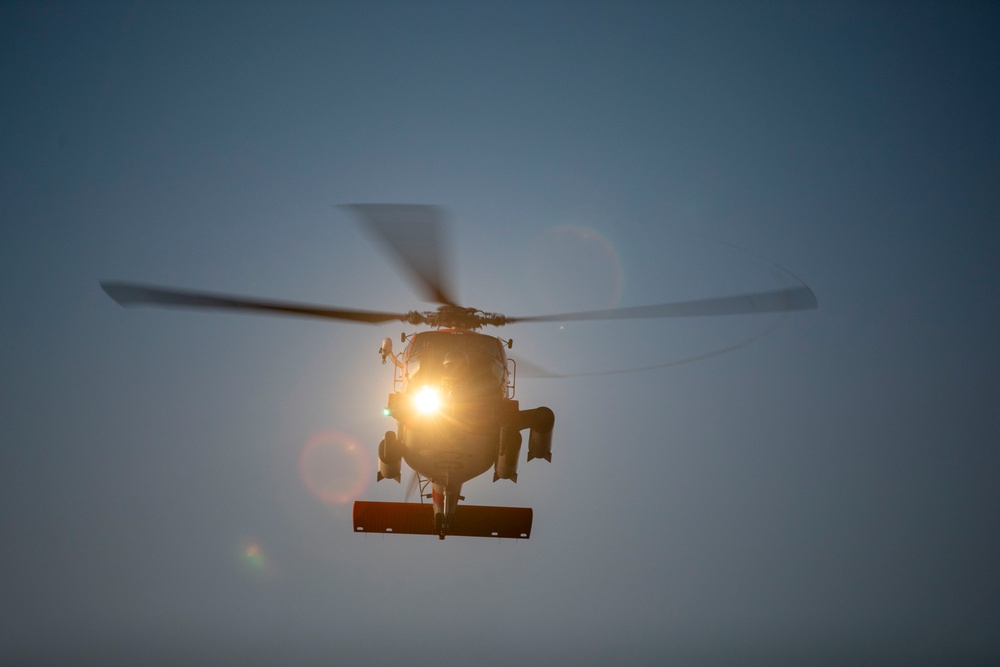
(427, 400)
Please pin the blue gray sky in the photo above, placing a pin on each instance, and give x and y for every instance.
(826, 494)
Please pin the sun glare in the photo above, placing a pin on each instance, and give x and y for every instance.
(427, 400)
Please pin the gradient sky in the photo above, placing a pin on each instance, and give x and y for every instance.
(824, 495)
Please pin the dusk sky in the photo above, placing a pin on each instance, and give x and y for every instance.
(176, 486)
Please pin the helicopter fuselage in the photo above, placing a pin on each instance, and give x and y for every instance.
(456, 415)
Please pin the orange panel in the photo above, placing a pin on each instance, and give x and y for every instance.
(418, 519)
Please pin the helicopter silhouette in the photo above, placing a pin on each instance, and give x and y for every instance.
(453, 387)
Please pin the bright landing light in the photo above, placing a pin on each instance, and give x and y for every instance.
(427, 400)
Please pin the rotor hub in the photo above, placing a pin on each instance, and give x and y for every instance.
(450, 316)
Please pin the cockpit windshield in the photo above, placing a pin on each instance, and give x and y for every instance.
(462, 360)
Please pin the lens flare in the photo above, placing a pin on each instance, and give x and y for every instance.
(334, 468)
(254, 557)
(572, 267)
(255, 562)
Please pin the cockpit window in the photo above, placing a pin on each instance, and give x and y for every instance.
(461, 360)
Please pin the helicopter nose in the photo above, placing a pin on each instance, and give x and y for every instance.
(456, 363)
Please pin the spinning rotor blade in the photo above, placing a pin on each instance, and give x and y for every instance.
(528, 369)
(127, 294)
(416, 235)
(777, 301)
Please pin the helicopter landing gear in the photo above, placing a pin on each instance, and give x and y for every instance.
(441, 525)
(390, 456)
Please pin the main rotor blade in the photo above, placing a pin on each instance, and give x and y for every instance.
(777, 301)
(530, 370)
(128, 294)
(415, 234)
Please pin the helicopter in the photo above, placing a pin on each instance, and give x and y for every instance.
(453, 386)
